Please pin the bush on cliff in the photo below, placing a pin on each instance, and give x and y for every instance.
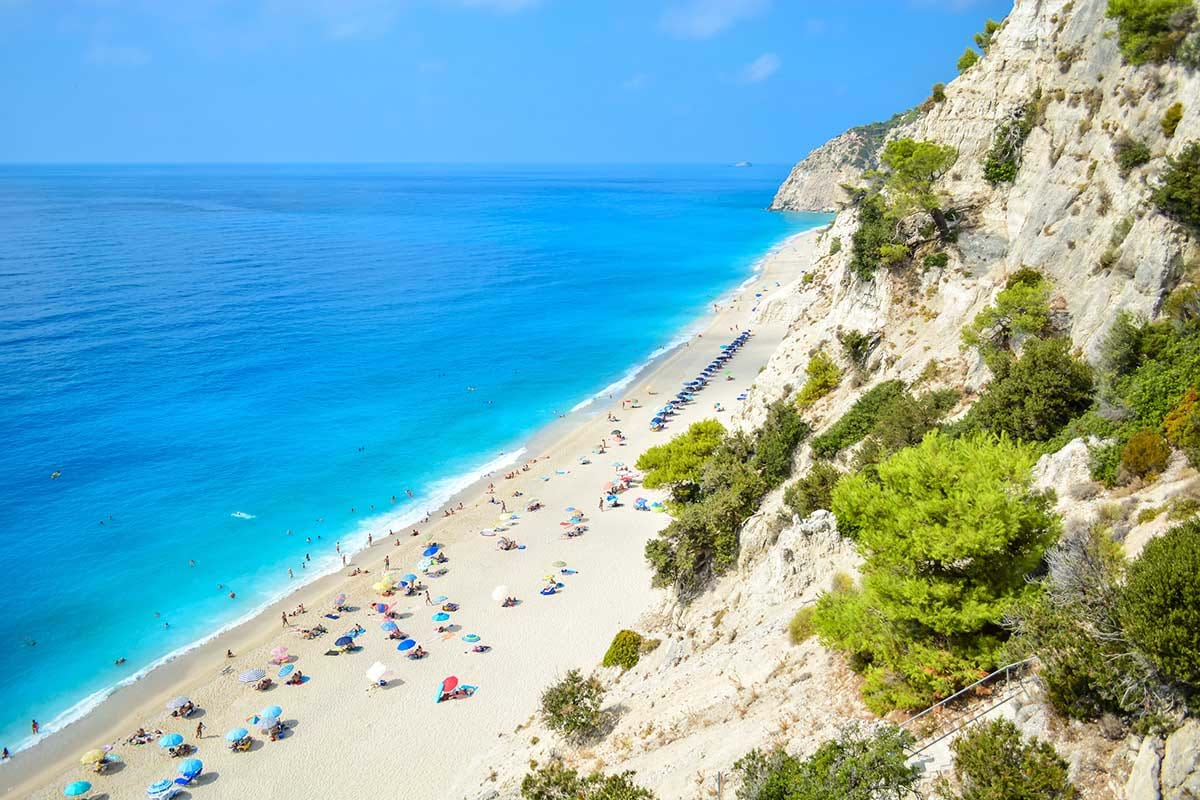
(625, 650)
(813, 491)
(555, 781)
(678, 463)
(822, 376)
(1022, 308)
(856, 423)
(1160, 603)
(856, 766)
(1151, 31)
(571, 706)
(949, 531)
(1178, 193)
(992, 761)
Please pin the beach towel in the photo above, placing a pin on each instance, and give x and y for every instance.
(332, 616)
(333, 652)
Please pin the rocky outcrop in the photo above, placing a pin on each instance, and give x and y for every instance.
(815, 183)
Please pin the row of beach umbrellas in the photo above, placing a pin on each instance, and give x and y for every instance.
(699, 382)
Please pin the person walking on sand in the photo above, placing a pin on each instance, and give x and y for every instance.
(601, 503)
(283, 617)
(428, 599)
(387, 562)
(200, 730)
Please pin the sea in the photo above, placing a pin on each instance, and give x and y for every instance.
(210, 375)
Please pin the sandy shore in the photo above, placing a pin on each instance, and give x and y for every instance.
(351, 742)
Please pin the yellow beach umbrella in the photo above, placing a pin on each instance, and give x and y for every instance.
(384, 586)
(92, 757)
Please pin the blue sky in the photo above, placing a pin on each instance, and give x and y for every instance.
(463, 80)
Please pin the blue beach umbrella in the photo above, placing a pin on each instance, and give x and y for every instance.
(77, 788)
(389, 626)
(381, 607)
(410, 578)
(236, 735)
(191, 767)
(344, 641)
(441, 616)
(407, 644)
(286, 670)
(158, 787)
(432, 550)
(271, 711)
(170, 740)
(471, 637)
(252, 675)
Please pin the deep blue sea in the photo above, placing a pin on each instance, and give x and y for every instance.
(213, 356)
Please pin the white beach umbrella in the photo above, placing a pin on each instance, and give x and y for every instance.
(499, 593)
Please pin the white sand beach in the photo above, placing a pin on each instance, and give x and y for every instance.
(348, 741)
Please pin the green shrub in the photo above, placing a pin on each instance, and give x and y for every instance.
(625, 650)
(1104, 463)
(1169, 361)
(912, 167)
(1150, 31)
(856, 346)
(1145, 454)
(1183, 427)
(822, 376)
(1160, 603)
(1130, 153)
(1178, 193)
(892, 254)
(904, 424)
(1003, 159)
(554, 781)
(836, 245)
(984, 37)
(1183, 305)
(781, 432)
(874, 230)
(801, 627)
(679, 461)
(1183, 508)
(702, 540)
(855, 766)
(949, 530)
(572, 706)
(1121, 348)
(937, 260)
(993, 762)
(938, 95)
(858, 421)
(967, 60)
(1033, 397)
(1022, 308)
(1171, 120)
(814, 491)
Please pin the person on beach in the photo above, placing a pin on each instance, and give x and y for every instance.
(283, 617)
(387, 562)
(4, 755)
(33, 723)
(199, 730)
(370, 539)
(428, 600)
(337, 546)
(229, 654)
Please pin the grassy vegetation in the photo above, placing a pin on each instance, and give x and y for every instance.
(1178, 192)
(822, 376)
(1151, 31)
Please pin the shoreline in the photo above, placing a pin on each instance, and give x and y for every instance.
(139, 701)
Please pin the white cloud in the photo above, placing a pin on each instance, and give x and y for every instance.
(635, 82)
(703, 19)
(116, 55)
(761, 68)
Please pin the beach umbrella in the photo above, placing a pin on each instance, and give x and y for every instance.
(158, 787)
(432, 550)
(178, 702)
(389, 626)
(448, 684)
(77, 788)
(407, 644)
(252, 675)
(170, 740)
(410, 578)
(471, 637)
(383, 586)
(424, 564)
(271, 711)
(92, 757)
(569, 508)
(236, 735)
(376, 672)
(286, 670)
(615, 432)
(380, 607)
(340, 600)
(499, 593)
(559, 564)
(344, 641)
(441, 616)
(279, 653)
(191, 767)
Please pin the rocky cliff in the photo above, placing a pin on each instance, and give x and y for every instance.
(725, 678)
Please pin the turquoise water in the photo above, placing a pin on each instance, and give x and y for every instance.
(213, 356)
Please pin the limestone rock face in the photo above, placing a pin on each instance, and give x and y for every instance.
(815, 183)
(1180, 777)
(1143, 778)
